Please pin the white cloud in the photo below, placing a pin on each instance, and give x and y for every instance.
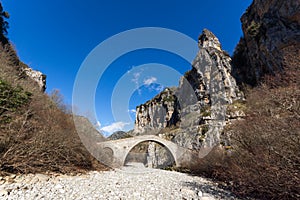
(136, 77)
(159, 88)
(117, 126)
(132, 111)
(149, 81)
(98, 124)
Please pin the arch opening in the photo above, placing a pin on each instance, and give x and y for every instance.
(153, 154)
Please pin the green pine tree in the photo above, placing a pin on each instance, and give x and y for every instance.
(3, 25)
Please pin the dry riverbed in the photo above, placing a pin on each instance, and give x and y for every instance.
(131, 182)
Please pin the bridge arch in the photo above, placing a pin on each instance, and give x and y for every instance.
(119, 149)
(158, 141)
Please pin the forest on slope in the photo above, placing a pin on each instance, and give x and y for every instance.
(37, 132)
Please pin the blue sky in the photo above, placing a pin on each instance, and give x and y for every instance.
(56, 36)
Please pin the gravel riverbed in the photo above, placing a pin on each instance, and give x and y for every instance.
(131, 182)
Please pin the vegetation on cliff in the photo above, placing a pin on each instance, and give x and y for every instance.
(36, 133)
(263, 159)
(263, 156)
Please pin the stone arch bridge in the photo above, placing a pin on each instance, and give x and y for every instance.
(114, 152)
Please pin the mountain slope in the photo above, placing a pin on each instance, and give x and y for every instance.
(263, 156)
(35, 135)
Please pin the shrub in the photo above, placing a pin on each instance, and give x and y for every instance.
(36, 136)
(263, 160)
(253, 29)
(12, 98)
(205, 111)
(266, 145)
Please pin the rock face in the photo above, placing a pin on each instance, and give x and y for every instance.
(23, 69)
(158, 156)
(160, 112)
(271, 33)
(193, 114)
(37, 76)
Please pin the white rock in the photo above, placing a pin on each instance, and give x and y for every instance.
(3, 193)
(12, 176)
(62, 191)
(58, 186)
(42, 177)
(200, 194)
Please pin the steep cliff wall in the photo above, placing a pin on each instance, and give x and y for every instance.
(194, 113)
(214, 87)
(160, 112)
(271, 32)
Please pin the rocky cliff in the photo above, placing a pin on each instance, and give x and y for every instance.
(160, 112)
(9, 54)
(271, 34)
(194, 113)
(38, 77)
(8, 50)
